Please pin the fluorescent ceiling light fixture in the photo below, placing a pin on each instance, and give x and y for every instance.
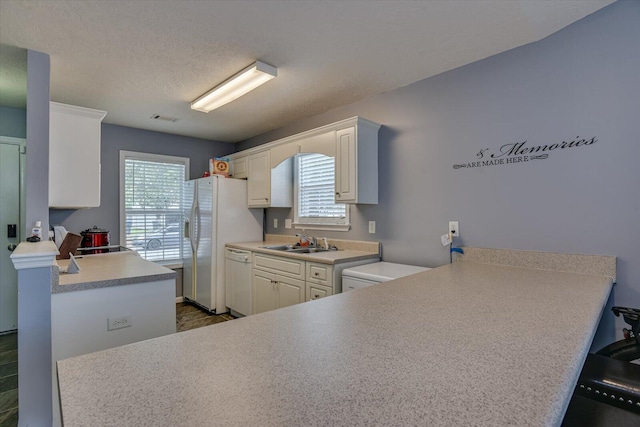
(233, 88)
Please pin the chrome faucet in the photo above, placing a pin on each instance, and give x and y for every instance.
(313, 242)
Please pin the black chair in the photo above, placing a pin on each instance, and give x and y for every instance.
(607, 394)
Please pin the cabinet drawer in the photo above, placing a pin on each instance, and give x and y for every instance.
(317, 291)
(321, 274)
(286, 266)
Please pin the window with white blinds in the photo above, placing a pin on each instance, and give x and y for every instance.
(151, 193)
(315, 189)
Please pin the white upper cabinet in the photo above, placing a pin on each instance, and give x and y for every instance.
(282, 152)
(269, 187)
(352, 142)
(357, 164)
(239, 167)
(74, 156)
(324, 143)
(259, 179)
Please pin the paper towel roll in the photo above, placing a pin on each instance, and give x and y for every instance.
(59, 233)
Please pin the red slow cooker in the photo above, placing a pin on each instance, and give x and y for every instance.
(94, 238)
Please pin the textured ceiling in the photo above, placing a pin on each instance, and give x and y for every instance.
(138, 58)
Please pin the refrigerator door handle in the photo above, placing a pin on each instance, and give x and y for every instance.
(198, 227)
(192, 220)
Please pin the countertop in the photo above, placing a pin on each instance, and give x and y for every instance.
(111, 269)
(461, 344)
(328, 257)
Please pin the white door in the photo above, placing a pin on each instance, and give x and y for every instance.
(10, 178)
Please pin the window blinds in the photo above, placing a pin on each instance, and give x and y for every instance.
(152, 205)
(316, 174)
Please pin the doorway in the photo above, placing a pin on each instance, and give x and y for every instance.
(12, 215)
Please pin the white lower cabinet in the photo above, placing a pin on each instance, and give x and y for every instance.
(277, 282)
(319, 280)
(265, 297)
(280, 281)
(317, 292)
(290, 291)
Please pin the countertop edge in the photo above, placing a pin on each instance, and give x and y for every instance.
(57, 288)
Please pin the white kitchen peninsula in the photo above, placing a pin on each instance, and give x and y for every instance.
(463, 344)
(109, 286)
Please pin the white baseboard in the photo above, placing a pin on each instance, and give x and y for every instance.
(179, 300)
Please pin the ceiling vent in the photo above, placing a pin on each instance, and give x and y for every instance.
(164, 118)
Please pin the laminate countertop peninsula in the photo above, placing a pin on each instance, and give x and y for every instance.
(111, 269)
(462, 344)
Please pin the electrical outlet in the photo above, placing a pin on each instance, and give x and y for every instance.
(287, 223)
(275, 222)
(372, 227)
(119, 322)
(454, 228)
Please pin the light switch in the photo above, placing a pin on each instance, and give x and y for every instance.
(275, 222)
(287, 223)
(372, 227)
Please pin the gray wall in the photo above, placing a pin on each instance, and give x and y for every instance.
(13, 122)
(34, 347)
(116, 138)
(34, 286)
(37, 174)
(581, 81)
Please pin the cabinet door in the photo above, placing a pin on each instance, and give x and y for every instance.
(265, 295)
(346, 164)
(239, 167)
(259, 180)
(74, 156)
(290, 291)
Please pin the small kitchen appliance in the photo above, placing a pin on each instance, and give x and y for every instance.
(94, 238)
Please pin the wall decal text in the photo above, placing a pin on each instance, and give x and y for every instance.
(520, 152)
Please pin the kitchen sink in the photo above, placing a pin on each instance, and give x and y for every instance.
(297, 249)
(278, 247)
(308, 250)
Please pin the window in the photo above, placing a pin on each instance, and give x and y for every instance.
(314, 195)
(151, 189)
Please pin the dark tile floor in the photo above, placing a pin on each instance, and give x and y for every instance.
(187, 317)
(9, 380)
(190, 317)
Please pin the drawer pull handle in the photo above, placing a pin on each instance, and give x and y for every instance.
(317, 274)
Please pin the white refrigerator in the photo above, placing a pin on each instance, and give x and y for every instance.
(215, 213)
